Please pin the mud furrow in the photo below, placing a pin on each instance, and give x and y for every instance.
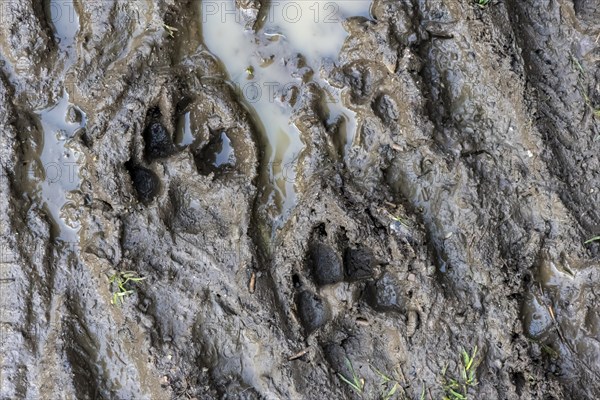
(561, 87)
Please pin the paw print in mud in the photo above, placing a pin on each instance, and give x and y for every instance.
(145, 182)
(380, 289)
(159, 143)
(217, 133)
(212, 128)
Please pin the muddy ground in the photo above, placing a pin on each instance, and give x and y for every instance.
(456, 219)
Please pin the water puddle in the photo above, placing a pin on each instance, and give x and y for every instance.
(225, 154)
(65, 22)
(60, 163)
(57, 173)
(218, 155)
(267, 67)
(184, 135)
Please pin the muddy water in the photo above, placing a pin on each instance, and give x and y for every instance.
(184, 135)
(54, 173)
(268, 66)
(59, 159)
(65, 22)
(61, 162)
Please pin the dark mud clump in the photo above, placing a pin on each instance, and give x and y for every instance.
(358, 263)
(325, 264)
(385, 294)
(145, 182)
(312, 310)
(159, 143)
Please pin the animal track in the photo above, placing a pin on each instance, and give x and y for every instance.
(325, 264)
(145, 182)
(159, 143)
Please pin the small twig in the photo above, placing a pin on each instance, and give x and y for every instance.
(595, 238)
(252, 284)
(556, 325)
(392, 205)
(551, 313)
(170, 30)
(299, 354)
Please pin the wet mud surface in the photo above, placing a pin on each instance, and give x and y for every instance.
(428, 188)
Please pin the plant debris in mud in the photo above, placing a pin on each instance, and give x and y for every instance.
(355, 382)
(120, 285)
(170, 30)
(582, 82)
(390, 386)
(458, 388)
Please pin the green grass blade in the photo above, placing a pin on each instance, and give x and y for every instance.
(353, 385)
(383, 376)
(392, 391)
(470, 363)
(457, 395)
(595, 238)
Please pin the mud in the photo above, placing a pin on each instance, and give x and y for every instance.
(424, 185)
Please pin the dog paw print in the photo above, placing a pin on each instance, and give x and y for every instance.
(380, 289)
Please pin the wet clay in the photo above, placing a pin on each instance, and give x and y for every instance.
(298, 191)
